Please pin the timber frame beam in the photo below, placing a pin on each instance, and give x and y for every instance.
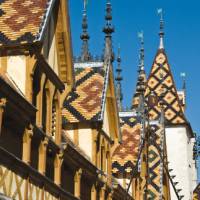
(2, 106)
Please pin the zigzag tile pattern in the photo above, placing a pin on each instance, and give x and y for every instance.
(84, 103)
(126, 154)
(156, 84)
(154, 165)
(21, 21)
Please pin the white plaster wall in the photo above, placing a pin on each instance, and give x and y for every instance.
(106, 121)
(16, 68)
(70, 134)
(52, 59)
(179, 152)
(85, 141)
(120, 181)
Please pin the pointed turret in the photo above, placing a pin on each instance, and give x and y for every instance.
(118, 79)
(108, 30)
(85, 54)
(141, 81)
(161, 83)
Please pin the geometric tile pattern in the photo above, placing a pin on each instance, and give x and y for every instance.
(84, 102)
(160, 79)
(125, 155)
(157, 178)
(154, 164)
(21, 21)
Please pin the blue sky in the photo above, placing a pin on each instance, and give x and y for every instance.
(182, 40)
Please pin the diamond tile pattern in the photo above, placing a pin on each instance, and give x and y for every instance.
(173, 109)
(21, 21)
(126, 154)
(84, 103)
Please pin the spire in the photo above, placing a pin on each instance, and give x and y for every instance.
(141, 81)
(85, 54)
(108, 30)
(119, 78)
(161, 33)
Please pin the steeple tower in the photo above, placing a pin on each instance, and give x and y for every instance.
(108, 30)
(141, 81)
(118, 79)
(161, 33)
(85, 54)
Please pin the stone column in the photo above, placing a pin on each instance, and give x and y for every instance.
(93, 193)
(2, 107)
(26, 157)
(57, 166)
(77, 183)
(94, 146)
(102, 193)
(110, 195)
(42, 156)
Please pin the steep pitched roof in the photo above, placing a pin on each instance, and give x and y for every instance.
(23, 21)
(85, 102)
(125, 156)
(157, 83)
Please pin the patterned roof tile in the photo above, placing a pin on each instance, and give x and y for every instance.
(22, 21)
(84, 103)
(156, 83)
(125, 156)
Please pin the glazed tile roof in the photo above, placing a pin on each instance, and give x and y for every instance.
(156, 84)
(125, 156)
(85, 101)
(22, 21)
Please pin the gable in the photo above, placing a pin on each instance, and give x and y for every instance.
(156, 84)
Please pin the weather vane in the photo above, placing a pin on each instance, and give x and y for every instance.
(85, 3)
(160, 12)
(141, 35)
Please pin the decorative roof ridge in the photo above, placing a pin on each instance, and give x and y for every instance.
(106, 80)
(88, 64)
(45, 19)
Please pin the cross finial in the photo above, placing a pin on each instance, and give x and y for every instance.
(161, 33)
